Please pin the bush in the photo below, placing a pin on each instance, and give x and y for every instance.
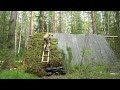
(7, 56)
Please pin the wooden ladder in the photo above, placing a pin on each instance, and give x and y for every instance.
(45, 56)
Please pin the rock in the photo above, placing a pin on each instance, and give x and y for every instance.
(48, 74)
(48, 69)
(54, 70)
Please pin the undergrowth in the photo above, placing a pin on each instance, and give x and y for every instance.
(93, 71)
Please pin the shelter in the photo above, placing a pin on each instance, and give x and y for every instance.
(86, 48)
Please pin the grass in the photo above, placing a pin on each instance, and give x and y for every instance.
(92, 71)
(78, 71)
(14, 74)
(68, 62)
(88, 71)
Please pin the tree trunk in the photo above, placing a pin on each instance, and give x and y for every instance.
(15, 42)
(40, 25)
(16, 34)
(71, 22)
(117, 32)
(42, 21)
(31, 23)
(93, 16)
(108, 24)
(60, 21)
(48, 21)
(84, 21)
(20, 36)
(25, 38)
(12, 28)
(31, 27)
(54, 22)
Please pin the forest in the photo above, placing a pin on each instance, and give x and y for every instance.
(84, 45)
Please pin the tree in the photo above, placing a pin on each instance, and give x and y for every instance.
(8, 62)
(108, 23)
(93, 16)
(47, 22)
(60, 13)
(20, 34)
(71, 22)
(25, 24)
(76, 22)
(12, 27)
(4, 28)
(99, 24)
(31, 23)
(54, 29)
(117, 32)
(42, 21)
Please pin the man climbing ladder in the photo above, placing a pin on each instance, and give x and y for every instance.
(46, 50)
(47, 39)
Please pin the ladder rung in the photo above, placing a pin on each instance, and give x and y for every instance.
(47, 50)
(45, 56)
(45, 61)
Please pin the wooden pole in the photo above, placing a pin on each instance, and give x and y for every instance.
(110, 36)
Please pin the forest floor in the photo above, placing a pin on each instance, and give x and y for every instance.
(55, 77)
(74, 76)
(90, 71)
(15, 74)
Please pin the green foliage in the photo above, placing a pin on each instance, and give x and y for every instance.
(98, 22)
(14, 74)
(86, 52)
(68, 62)
(4, 28)
(20, 56)
(56, 54)
(51, 13)
(76, 23)
(91, 71)
(38, 27)
(7, 56)
(70, 54)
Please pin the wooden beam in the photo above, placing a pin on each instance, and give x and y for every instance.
(110, 36)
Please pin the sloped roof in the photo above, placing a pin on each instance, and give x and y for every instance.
(85, 48)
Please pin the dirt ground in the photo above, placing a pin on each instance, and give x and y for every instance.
(55, 77)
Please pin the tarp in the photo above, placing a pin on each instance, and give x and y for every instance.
(85, 48)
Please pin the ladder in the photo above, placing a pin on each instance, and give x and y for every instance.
(45, 56)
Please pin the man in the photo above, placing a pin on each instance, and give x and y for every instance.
(47, 39)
